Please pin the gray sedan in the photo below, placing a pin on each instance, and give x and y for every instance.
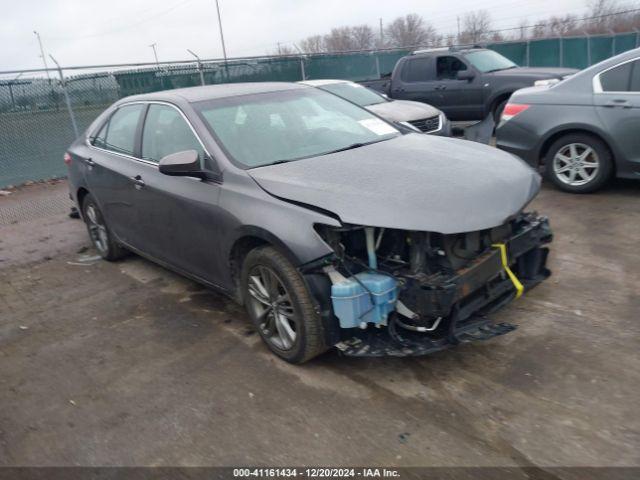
(332, 226)
(583, 130)
(416, 115)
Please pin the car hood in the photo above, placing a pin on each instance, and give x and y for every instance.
(411, 182)
(403, 110)
(535, 72)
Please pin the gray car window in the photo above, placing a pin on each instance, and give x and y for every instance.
(266, 128)
(166, 132)
(448, 67)
(617, 79)
(635, 77)
(121, 129)
(417, 70)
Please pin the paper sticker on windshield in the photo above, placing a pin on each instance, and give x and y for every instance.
(377, 126)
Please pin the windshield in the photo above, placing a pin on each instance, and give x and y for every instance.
(489, 61)
(266, 128)
(354, 93)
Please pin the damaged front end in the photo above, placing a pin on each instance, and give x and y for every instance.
(397, 292)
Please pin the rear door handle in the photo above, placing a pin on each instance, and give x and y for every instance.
(89, 162)
(618, 102)
(441, 87)
(139, 183)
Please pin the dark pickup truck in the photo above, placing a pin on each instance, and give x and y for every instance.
(466, 84)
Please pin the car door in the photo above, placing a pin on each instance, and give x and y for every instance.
(461, 99)
(177, 216)
(111, 170)
(617, 101)
(417, 81)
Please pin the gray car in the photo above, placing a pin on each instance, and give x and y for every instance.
(417, 115)
(583, 130)
(332, 226)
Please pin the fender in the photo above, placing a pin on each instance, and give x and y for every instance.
(567, 127)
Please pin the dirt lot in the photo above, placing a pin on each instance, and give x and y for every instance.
(128, 364)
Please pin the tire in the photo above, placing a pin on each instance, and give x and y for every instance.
(497, 112)
(566, 160)
(266, 271)
(99, 234)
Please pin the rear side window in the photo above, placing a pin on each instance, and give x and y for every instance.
(166, 132)
(417, 70)
(121, 130)
(617, 79)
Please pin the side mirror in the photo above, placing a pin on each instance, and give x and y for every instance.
(465, 75)
(182, 164)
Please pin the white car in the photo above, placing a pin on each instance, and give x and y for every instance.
(416, 115)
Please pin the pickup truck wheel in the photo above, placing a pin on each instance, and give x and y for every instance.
(579, 163)
(281, 306)
(497, 112)
(99, 233)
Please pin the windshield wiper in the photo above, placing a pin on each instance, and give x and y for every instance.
(353, 146)
(500, 69)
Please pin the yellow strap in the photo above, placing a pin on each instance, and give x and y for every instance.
(505, 264)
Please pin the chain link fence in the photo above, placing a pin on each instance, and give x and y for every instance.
(42, 112)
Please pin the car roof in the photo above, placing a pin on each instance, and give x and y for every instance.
(210, 92)
(449, 50)
(324, 81)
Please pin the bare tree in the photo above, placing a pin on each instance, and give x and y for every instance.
(313, 44)
(339, 40)
(363, 37)
(410, 30)
(477, 25)
(284, 50)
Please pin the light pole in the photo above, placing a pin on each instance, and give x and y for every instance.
(224, 50)
(155, 54)
(44, 59)
(199, 66)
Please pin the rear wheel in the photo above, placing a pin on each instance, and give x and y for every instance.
(579, 163)
(281, 306)
(99, 233)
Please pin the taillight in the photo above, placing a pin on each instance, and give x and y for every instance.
(67, 158)
(511, 110)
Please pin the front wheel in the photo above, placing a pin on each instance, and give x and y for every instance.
(579, 163)
(281, 306)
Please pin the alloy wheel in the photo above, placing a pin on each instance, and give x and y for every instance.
(271, 305)
(97, 229)
(576, 164)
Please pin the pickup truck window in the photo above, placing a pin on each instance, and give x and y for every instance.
(448, 67)
(417, 70)
(489, 61)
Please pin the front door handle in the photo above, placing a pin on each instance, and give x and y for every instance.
(139, 183)
(441, 87)
(89, 162)
(618, 102)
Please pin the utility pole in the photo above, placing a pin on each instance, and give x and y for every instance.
(155, 54)
(202, 82)
(44, 59)
(458, 19)
(381, 35)
(224, 50)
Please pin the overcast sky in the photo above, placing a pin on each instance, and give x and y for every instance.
(89, 32)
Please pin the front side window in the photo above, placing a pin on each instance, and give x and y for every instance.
(489, 61)
(262, 129)
(417, 70)
(447, 68)
(354, 93)
(166, 132)
(121, 130)
(617, 79)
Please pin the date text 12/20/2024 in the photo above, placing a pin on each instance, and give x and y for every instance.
(313, 473)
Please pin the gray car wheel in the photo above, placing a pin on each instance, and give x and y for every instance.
(280, 306)
(99, 233)
(578, 163)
